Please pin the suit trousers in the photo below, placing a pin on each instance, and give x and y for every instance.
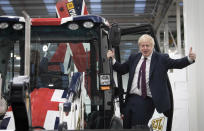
(138, 111)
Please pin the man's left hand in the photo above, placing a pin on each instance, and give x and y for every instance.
(192, 55)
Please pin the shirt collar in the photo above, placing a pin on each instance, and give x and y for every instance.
(149, 57)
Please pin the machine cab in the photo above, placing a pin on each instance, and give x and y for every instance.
(67, 64)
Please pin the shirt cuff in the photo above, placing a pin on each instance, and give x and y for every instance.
(190, 60)
(114, 60)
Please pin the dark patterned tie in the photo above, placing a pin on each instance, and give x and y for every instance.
(142, 78)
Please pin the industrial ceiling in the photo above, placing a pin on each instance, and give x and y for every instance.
(124, 12)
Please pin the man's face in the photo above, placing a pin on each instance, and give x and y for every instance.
(146, 48)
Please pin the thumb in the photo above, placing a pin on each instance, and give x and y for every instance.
(190, 50)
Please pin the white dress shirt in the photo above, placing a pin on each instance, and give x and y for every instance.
(134, 89)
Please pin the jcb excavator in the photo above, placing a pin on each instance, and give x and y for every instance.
(55, 74)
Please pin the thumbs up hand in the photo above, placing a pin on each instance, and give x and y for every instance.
(192, 55)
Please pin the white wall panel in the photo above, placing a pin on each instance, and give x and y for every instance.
(194, 35)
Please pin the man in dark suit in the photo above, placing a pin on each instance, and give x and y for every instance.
(147, 85)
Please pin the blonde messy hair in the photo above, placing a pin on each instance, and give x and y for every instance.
(146, 38)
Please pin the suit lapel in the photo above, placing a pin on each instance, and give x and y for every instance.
(136, 61)
(153, 63)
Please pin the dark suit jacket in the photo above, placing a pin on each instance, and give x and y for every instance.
(160, 63)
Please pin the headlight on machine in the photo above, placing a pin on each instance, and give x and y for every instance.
(105, 81)
(3, 25)
(88, 24)
(73, 26)
(17, 26)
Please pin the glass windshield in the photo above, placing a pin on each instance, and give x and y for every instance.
(52, 63)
